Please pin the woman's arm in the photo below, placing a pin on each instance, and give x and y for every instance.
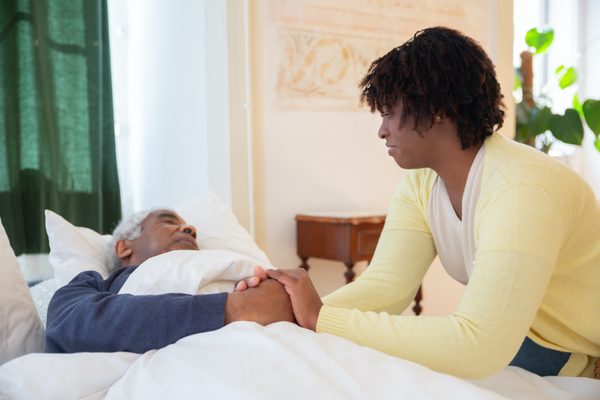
(404, 253)
(519, 236)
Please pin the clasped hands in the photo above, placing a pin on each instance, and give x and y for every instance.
(275, 295)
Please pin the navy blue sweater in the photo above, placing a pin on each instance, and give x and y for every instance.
(88, 314)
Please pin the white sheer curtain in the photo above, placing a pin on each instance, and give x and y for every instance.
(170, 85)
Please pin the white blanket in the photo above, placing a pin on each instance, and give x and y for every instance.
(247, 361)
(191, 272)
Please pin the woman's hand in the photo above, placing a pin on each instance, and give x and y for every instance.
(265, 304)
(306, 302)
(253, 281)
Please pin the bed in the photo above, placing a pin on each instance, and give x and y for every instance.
(241, 360)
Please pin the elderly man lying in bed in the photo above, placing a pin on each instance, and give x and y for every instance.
(90, 315)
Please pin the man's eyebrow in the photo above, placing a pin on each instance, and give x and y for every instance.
(167, 215)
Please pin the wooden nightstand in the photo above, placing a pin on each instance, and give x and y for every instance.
(348, 237)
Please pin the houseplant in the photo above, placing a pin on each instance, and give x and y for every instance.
(537, 124)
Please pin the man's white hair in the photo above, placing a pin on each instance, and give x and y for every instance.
(129, 229)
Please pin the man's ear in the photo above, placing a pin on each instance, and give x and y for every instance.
(123, 249)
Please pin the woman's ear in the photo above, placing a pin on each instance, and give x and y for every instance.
(123, 249)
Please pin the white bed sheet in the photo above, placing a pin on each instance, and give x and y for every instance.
(42, 294)
(247, 361)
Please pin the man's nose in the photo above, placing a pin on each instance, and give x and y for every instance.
(189, 229)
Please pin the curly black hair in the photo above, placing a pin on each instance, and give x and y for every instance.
(438, 72)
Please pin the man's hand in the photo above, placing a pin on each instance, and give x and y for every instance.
(264, 304)
(253, 281)
(305, 299)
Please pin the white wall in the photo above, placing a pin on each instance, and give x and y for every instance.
(170, 85)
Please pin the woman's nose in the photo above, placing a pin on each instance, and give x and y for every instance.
(189, 229)
(382, 132)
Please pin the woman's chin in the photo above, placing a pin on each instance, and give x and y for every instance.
(406, 163)
(402, 163)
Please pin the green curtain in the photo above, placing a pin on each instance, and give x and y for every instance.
(57, 147)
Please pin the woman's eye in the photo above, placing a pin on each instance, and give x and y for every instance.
(385, 114)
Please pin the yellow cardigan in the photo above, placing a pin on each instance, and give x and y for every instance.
(536, 272)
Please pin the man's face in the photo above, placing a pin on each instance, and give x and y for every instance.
(162, 231)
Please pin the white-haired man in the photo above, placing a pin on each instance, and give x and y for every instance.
(88, 314)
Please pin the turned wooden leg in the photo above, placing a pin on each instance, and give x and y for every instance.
(349, 274)
(417, 308)
(304, 264)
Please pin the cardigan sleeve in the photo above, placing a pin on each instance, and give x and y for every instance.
(519, 233)
(404, 252)
(86, 316)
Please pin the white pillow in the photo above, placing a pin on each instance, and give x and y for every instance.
(21, 330)
(218, 229)
(74, 249)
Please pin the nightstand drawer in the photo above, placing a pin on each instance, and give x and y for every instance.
(367, 241)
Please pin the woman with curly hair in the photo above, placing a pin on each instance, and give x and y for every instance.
(520, 230)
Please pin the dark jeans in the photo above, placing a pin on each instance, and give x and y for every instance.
(539, 360)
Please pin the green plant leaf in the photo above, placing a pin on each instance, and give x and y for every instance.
(540, 120)
(523, 134)
(567, 127)
(539, 39)
(518, 79)
(565, 76)
(597, 144)
(591, 112)
(523, 114)
(577, 105)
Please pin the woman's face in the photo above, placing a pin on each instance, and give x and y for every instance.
(409, 149)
